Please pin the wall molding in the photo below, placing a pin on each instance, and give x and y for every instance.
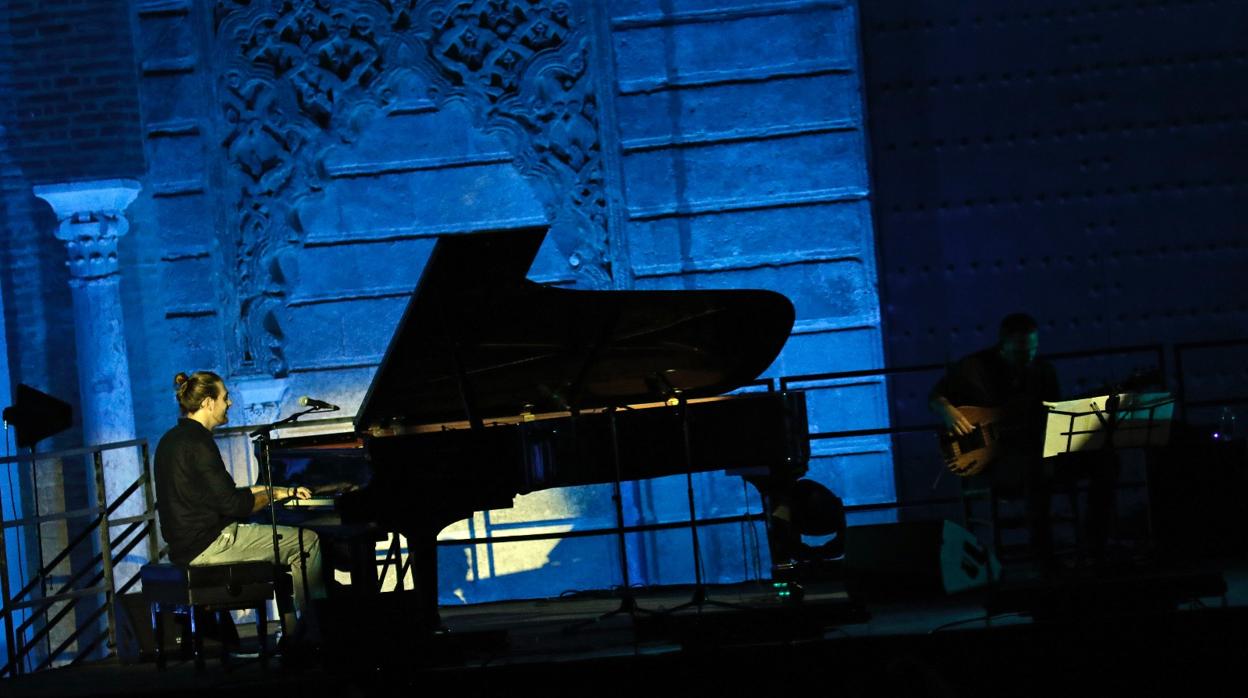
(714, 78)
(652, 21)
(813, 128)
(185, 255)
(168, 66)
(399, 234)
(349, 296)
(346, 364)
(158, 8)
(173, 128)
(868, 322)
(185, 187)
(396, 167)
(732, 204)
(745, 263)
(190, 311)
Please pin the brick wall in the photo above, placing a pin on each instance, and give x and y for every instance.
(68, 111)
(69, 98)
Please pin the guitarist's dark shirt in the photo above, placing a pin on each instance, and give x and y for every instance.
(984, 379)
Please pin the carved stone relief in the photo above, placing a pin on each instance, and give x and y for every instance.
(298, 77)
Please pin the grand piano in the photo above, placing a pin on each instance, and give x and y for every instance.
(495, 386)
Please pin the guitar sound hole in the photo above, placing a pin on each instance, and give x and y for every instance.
(972, 441)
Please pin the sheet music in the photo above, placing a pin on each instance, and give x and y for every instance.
(1142, 419)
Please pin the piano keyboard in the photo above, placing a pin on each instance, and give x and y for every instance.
(312, 503)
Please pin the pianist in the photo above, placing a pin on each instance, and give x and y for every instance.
(200, 507)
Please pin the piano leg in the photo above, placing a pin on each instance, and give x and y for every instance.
(422, 557)
(362, 564)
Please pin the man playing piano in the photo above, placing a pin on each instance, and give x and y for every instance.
(201, 508)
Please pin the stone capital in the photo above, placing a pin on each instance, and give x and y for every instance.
(91, 217)
(261, 398)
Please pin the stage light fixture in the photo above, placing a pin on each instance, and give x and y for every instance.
(36, 416)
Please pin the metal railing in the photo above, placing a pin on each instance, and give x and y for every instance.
(101, 567)
(796, 381)
(787, 383)
(96, 576)
(390, 556)
(1181, 387)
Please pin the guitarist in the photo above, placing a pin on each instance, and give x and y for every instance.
(1008, 375)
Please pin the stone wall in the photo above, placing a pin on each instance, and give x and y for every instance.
(289, 215)
(303, 155)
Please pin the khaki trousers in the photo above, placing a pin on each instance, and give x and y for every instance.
(298, 548)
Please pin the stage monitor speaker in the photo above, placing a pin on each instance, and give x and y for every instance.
(916, 558)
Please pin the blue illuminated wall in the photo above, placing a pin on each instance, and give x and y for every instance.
(69, 111)
(298, 159)
(301, 157)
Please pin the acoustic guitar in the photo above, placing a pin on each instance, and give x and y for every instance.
(969, 454)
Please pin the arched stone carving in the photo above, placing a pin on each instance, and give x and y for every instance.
(298, 77)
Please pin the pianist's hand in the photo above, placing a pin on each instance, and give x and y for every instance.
(298, 493)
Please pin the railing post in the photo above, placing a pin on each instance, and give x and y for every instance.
(106, 547)
(149, 508)
(1181, 388)
(44, 570)
(9, 640)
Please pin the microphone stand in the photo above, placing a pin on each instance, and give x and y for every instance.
(261, 437)
(628, 600)
(677, 399)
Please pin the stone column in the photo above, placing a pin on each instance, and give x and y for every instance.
(91, 220)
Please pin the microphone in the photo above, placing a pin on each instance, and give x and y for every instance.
(317, 404)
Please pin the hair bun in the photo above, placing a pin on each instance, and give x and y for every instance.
(180, 380)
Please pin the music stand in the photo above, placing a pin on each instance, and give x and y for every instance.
(1108, 423)
(1124, 420)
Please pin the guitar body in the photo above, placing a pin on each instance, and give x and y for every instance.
(970, 454)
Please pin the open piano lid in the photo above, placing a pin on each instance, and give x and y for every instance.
(476, 323)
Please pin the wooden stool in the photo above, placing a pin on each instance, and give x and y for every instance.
(204, 589)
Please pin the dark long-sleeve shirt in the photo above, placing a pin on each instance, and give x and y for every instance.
(195, 495)
(984, 379)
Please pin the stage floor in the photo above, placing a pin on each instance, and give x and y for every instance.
(1083, 630)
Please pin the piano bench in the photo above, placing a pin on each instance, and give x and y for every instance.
(202, 589)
